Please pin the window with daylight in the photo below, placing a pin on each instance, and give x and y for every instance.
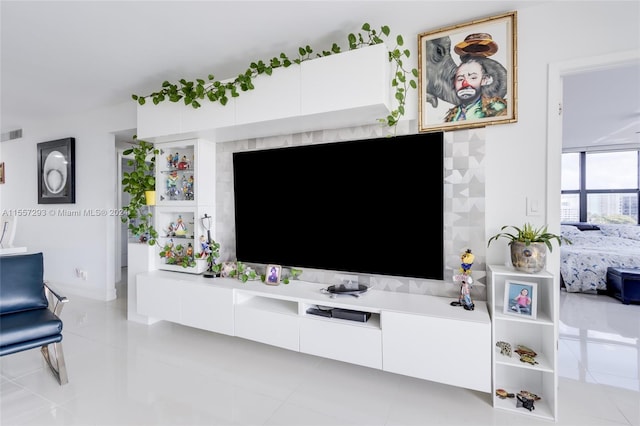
(601, 187)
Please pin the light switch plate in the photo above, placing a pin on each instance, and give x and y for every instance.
(533, 207)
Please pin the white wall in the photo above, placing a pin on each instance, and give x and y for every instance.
(517, 154)
(516, 157)
(70, 242)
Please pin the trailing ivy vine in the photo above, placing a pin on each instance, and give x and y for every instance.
(192, 92)
(136, 183)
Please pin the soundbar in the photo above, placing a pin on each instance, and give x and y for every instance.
(347, 314)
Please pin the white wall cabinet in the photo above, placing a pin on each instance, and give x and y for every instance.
(347, 89)
(415, 335)
(538, 333)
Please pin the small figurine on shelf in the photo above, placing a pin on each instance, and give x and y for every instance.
(464, 278)
(172, 185)
(503, 394)
(180, 227)
(505, 348)
(204, 247)
(189, 252)
(171, 229)
(188, 189)
(184, 163)
(176, 158)
(526, 400)
(168, 250)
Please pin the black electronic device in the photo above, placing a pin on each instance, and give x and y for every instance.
(350, 314)
(364, 206)
(341, 289)
(347, 314)
(320, 312)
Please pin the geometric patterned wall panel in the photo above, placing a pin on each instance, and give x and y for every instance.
(463, 200)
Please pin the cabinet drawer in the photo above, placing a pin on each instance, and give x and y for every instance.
(207, 307)
(339, 340)
(439, 349)
(273, 328)
(158, 298)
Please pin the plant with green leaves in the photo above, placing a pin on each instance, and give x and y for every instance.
(243, 272)
(192, 92)
(136, 183)
(214, 254)
(528, 234)
(176, 255)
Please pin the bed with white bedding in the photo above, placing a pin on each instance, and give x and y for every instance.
(584, 263)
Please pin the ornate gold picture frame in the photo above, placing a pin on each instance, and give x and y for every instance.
(468, 75)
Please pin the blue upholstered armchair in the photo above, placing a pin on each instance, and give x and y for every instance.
(30, 311)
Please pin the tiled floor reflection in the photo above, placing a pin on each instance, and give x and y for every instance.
(123, 373)
(599, 340)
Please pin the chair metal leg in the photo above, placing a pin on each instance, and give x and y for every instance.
(58, 368)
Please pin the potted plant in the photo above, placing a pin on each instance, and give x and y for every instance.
(137, 184)
(214, 268)
(529, 245)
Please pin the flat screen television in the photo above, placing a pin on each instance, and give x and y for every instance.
(371, 206)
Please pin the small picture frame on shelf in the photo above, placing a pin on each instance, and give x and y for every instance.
(521, 298)
(272, 274)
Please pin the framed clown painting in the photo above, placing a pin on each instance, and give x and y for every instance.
(467, 75)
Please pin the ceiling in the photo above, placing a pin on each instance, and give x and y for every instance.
(61, 58)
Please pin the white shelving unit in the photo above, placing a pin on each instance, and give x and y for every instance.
(539, 333)
(185, 192)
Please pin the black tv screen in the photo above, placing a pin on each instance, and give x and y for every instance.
(370, 206)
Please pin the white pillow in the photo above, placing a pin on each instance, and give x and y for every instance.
(569, 230)
(631, 232)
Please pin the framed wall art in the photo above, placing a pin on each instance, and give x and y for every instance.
(1, 172)
(56, 172)
(521, 298)
(272, 274)
(467, 75)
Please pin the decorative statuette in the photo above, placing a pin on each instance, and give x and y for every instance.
(464, 278)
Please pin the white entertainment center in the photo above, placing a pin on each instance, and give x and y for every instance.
(414, 335)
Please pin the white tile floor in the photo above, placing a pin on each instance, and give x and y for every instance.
(124, 373)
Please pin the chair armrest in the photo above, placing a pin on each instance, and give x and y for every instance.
(56, 301)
